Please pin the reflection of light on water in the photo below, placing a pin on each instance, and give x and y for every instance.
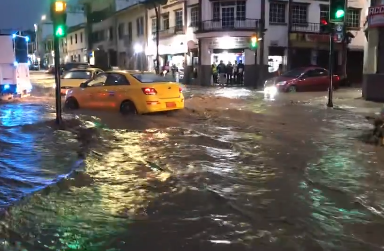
(270, 92)
(230, 93)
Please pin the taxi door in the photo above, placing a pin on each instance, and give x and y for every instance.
(91, 94)
(116, 89)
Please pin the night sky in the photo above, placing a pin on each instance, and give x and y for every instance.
(21, 14)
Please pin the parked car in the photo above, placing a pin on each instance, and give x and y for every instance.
(311, 78)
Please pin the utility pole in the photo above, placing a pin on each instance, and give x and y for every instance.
(337, 9)
(157, 68)
(330, 71)
(59, 17)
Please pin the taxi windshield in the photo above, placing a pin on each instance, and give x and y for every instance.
(78, 75)
(151, 78)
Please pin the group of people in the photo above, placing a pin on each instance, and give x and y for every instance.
(228, 74)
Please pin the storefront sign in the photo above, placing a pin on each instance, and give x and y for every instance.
(316, 38)
(228, 43)
(376, 16)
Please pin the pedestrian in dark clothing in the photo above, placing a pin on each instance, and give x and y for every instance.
(240, 72)
(229, 73)
(221, 69)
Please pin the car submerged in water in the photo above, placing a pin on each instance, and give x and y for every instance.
(301, 79)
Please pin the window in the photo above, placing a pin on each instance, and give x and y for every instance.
(166, 21)
(116, 79)
(324, 12)
(179, 19)
(146, 78)
(299, 13)
(110, 33)
(277, 13)
(71, 38)
(229, 11)
(353, 18)
(130, 32)
(240, 10)
(315, 73)
(81, 37)
(120, 31)
(140, 26)
(154, 24)
(75, 38)
(194, 16)
(99, 80)
(78, 75)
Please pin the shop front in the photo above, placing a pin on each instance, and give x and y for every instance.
(231, 50)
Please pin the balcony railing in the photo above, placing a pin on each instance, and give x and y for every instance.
(228, 25)
(306, 27)
(171, 31)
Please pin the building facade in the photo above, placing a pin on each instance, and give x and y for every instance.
(374, 52)
(75, 44)
(223, 34)
(292, 29)
(44, 32)
(177, 41)
(131, 35)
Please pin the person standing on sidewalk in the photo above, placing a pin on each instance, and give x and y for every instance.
(240, 74)
(229, 72)
(214, 73)
(221, 69)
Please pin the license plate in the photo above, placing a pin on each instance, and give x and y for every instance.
(170, 104)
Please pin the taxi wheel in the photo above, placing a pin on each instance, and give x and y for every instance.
(292, 88)
(71, 103)
(128, 108)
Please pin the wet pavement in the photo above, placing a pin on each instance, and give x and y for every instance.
(230, 172)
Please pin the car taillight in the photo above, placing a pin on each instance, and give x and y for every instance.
(180, 89)
(149, 91)
(337, 78)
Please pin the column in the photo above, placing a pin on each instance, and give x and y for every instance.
(205, 70)
(251, 69)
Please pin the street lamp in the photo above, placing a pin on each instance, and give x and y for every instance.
(43, 17)
(138, 48)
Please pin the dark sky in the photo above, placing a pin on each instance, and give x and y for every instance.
(21, 14)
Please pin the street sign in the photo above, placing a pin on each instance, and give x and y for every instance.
(339, 32)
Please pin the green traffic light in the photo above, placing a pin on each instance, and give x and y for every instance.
(60, 31)
(339, 13)
(254, 44)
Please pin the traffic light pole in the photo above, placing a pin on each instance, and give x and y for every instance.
(330, 71)
(57, 77)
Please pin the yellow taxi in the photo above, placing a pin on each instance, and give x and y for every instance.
(76, 76)
(128, 92)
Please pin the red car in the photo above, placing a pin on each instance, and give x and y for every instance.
(302, 79)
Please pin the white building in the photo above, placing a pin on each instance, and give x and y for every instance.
(223, 32)
(76, 44)
(177, 41)
(305, 37)
(226, 26)
(131, 36)
(44, 31)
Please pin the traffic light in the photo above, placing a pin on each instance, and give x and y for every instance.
(324, 26)
(254, 42)
(59, 18)
(337, 10)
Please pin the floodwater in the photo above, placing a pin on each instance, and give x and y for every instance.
(233, 172)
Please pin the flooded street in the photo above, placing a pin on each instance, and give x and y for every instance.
(232, 171)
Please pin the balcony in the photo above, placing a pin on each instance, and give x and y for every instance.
(305, 27)
(228, 25)
(171, 31)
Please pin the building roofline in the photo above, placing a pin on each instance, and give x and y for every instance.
(76, 28)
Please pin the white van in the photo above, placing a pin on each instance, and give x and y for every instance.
(14, 77)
